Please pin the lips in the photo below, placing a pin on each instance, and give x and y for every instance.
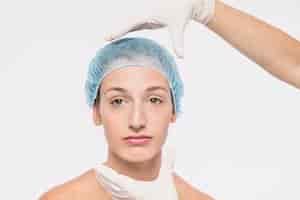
(138, 137)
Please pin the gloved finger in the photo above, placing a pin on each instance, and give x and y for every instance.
(110, 178)
(149, 24)
(118, 185)
(177, 38)
(134, 26)
(124, 29)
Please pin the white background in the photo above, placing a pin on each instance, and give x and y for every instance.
(237, 139)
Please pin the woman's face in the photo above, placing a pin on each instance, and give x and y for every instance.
(133, 109)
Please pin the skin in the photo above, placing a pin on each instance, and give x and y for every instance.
(134, 112)
(85, 186)
(274, 50)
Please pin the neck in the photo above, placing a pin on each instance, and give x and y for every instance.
(142, 171)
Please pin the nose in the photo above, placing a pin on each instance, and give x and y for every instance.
(137, 119)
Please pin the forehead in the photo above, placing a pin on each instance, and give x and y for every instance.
(135, 78)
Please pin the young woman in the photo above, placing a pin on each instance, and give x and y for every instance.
(136, 168)
(135, 90)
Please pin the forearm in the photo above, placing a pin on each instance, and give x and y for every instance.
(274, 50)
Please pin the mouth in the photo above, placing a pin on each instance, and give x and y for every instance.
(138, 140)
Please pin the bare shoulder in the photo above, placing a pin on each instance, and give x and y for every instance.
(83, 186)
(187, 191)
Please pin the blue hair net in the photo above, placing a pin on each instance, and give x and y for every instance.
(136, 51)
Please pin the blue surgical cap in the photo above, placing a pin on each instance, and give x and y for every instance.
(138, 52)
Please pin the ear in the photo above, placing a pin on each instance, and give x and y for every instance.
(173, 118)
(96, 115)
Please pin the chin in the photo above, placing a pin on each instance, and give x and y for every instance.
(139, 154)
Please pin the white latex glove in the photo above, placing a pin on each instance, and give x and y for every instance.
(173, 14)
(122, 187)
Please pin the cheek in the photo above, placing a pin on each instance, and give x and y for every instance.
(111, 116)
(114, 126)
(160, 115)
(113, 134)
(159, 124)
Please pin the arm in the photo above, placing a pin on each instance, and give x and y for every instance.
(271, 48)
(274, 50)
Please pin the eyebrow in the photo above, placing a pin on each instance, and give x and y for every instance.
(149, 89)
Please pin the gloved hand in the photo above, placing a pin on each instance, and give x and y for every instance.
(173, 14)
(122, 187)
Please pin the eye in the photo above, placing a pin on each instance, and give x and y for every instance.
(155, 100)
(118, 101)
